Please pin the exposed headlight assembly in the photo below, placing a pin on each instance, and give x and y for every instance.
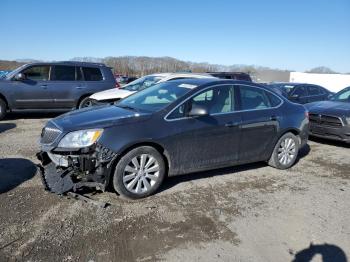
(81, 138)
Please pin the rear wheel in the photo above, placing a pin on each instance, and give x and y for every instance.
(85, 102)
(2, 109)
(139, 173)
(285, 152)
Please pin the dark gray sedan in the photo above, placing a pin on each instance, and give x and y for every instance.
(331, 119)
(172, 128)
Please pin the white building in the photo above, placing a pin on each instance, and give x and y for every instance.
(333, 82)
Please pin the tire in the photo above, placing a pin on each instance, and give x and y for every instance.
(85, 102)
(3, 108)
(285, 152)
(130, 179)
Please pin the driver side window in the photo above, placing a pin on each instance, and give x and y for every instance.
(300, 91)
(217, 100)
(37, 73)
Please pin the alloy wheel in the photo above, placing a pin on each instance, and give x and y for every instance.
(287, 151)
(141, 174)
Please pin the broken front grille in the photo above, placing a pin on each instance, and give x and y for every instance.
(324, 120)
(49, 135)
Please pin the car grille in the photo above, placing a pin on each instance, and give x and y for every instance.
(324, 120)
(49, 135)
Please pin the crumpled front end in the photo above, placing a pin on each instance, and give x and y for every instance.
(62, 171)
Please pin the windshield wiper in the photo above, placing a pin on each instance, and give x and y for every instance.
(127, 107)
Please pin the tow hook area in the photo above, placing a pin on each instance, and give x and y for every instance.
(90, 168)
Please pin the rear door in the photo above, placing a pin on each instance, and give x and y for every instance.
(33, 92)
(259, 122)
(94, 80)
(66, 80)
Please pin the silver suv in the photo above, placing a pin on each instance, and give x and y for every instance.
(53, 86)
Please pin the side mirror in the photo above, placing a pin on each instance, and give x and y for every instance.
(198, 110)
(20, 77)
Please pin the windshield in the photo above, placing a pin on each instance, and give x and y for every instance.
(142, 83)
(14, 72)
(156, 97)
(342, 96)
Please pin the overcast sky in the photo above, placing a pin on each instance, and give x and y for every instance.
(296, 35)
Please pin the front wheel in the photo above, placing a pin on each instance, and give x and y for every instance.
(2, 109)
(139, 173)
(285, 152)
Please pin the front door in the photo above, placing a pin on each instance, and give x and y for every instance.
(34, 91)
(299, 95)
(207, 141)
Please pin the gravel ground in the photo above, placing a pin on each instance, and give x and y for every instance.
(247, 213)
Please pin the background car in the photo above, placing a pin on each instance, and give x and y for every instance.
(3, 73)
(301, 93)
(331, 119)
(232, 75)
(174, 127)
(54, 86)
(113, 95)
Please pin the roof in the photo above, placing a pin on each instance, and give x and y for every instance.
(75, 63)
(214, 80)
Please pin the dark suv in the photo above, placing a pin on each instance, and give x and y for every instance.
(301, 93)
(54, 86)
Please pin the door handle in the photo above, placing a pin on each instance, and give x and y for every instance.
(273, 118)
(232, 124)
(80, 87)
(44, 86)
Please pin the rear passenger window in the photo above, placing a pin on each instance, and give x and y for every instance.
(313, 90)
(92, 74)
(63, 73)
(254, 98)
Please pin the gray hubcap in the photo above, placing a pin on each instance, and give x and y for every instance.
(286, 151)
(87, 103)
(141, 174)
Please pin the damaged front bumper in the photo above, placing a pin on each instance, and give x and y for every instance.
(63, 170)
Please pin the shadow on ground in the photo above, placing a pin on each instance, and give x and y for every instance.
(6, 126)
(32, 115)
(329, 253)
(329, 142)
(15, 171)
(173, 181)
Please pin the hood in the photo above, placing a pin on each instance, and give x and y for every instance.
(97, 117)
(111, 94)
(334, 108)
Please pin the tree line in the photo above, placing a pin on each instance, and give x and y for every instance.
(144, 65)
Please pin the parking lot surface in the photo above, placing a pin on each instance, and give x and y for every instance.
(246, 213)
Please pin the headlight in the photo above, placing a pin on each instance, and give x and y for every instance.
(81, 138)
(348, 120)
